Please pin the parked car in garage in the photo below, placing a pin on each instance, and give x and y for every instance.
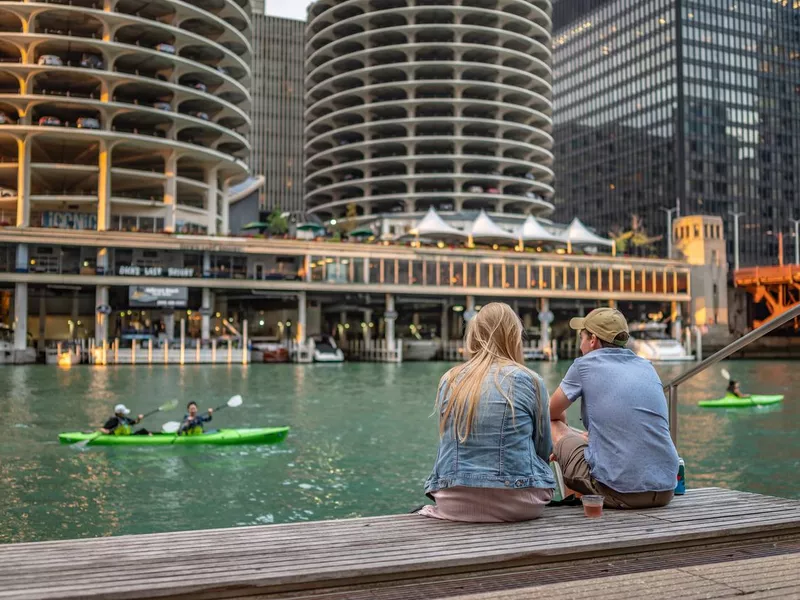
(49, 121)
(51, 60)
(87, 123)
(165, 48)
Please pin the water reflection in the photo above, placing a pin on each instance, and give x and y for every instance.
(362, 442)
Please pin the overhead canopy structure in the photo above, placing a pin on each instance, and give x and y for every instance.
(434, 227)
(485, 230)
(533, 231)
(577, 233)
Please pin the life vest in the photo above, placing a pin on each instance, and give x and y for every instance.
(195, 429)
(122, 428)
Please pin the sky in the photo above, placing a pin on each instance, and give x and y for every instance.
(292, 9)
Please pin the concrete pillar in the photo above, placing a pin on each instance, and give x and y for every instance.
(100, 318)
(389, 317)
(226, 227)
(444, 332)
(169, 325)
(170, 192)
(527, 320)
(469, 308)
(302, 319)
(342, 323)
(677, 321)
(24, 183)
(206, 263)
(205, 315)
(211, 200)
(366, 331)
(104, 187)
(22, 258)
(42, 320)
(366, 270)
(415, 319)
(20, 316)
(102, 261)
(545, 327)
(75, 314)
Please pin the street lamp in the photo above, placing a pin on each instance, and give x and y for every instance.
(796, 240)
(736, 216)
(669, 211)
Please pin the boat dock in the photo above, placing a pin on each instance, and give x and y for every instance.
(710, 543)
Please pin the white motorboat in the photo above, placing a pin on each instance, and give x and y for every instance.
(650, 341)
(326, 350)
(420, 349)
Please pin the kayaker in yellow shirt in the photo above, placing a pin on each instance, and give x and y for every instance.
(192, 422)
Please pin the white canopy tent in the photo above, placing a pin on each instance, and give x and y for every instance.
(434, 227)
(485, 230)
(533, 231)
(577, 233)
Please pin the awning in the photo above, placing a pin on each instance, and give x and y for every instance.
(362, 232)
(577, 233)
(310, 227)
(533, 231)
(487, 231)
(434, 227)
(255, 225)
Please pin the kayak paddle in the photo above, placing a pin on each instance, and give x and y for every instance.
(174, 426)
(725, 374)
(163, 408)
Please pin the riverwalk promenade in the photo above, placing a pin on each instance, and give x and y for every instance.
(710, 543)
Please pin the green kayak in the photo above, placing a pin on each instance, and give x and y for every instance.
(730, 401)
(221, 437)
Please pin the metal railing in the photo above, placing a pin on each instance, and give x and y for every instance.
(671, 388)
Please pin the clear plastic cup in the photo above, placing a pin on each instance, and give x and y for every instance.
(593, 506)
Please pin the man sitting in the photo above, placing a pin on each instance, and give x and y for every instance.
(628, 455)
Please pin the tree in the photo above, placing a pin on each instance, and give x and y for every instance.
(350, 216)
(635, 238)
(277, 224)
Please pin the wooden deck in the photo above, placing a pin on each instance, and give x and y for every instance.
(709, 539)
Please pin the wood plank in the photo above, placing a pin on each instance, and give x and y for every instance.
(769, 577)
(263, 559)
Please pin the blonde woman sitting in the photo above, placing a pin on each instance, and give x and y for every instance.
(494, 428)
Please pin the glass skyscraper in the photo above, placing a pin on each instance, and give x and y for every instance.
(661, 103)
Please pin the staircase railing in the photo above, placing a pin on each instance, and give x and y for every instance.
(671, 388)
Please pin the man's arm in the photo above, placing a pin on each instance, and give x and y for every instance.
(559, 403)
(109, 425)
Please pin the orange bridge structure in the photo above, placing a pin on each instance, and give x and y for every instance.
(777, 287)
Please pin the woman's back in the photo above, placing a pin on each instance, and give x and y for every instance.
(509, 441)
(494, 423)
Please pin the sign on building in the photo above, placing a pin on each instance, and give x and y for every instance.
(69, 220)
(150, 296)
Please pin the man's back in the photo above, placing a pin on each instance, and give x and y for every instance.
(625, 411)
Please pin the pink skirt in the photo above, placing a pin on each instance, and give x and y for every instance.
(488, 505)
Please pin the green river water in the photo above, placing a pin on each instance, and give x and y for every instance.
(362, 443)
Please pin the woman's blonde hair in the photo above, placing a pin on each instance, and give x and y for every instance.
(494, 338)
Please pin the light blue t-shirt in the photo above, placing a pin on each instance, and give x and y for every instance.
(625, 411)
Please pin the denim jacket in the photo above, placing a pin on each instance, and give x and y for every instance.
(501, 451)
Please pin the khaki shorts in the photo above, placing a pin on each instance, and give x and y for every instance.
(569, 453)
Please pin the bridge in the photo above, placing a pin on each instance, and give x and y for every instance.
(777, 287)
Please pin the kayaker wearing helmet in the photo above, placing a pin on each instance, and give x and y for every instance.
(192, 422)
(734, 390)
(120, 423)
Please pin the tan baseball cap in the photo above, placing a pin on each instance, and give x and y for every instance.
(606, 323)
